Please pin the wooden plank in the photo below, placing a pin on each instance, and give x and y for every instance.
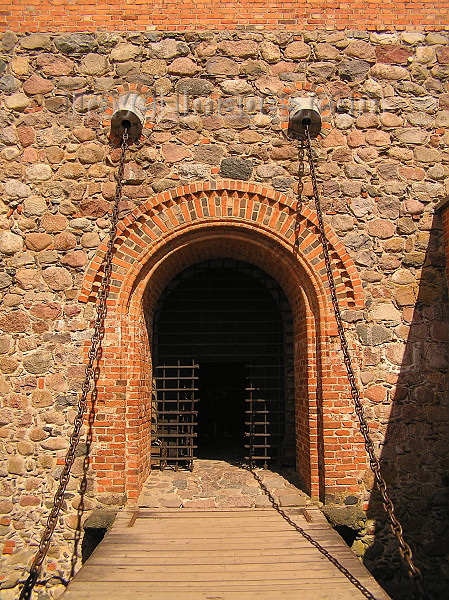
(136, 592)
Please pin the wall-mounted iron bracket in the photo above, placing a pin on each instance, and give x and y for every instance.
(129, 114)
(304, 111)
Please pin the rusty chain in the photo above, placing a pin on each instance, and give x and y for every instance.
(358, 584)
(93, 356)
(404, 548)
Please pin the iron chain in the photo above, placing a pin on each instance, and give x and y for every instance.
(358, 584)
(404, 549)
(93, 355)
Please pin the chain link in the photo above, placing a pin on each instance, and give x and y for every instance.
(404, 549)
(93, 356)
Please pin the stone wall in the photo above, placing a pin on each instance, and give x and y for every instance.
(216, 109)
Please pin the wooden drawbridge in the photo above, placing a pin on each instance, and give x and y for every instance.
(213, 554)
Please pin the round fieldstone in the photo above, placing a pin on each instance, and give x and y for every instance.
(10, 84)
(25, 448)
(393, 54)
(269, 85)
(236, 168)
(443, 55)
(26, 223)
(385, 311)
(270, 52)
(90, 153)
(53, 443)
(321, 71)
(76, 43)
(9, 135)
(93, 207)
(210, 154)
(36, 41)
(427, 155)
(222, 66)
(38, 241)
(54, 223)
(80, 224)
(183, 66)
(389, 72)
(194, 170)
(16, 465)
(20, 66)
(37, 85)
(37, 434)
(54, 66)
(377, 138)
(5, 281)
(39, 172)
(254, 68)
(411, 135)
(326, 51)
(94, 64)
(57, 278)
(168, 49)
(17, 102)
(9, 40)
(124, 52)
(296, 50)
(155, 66)
(38, 362)
(71, 171)
(6, 506)
(442, 118)
(54, 154)
(41, 399)
(26, 135)
(76, 258)
(83, 134)
(174, 152)
(361, 49)
(133, 174)
(10, 243)
(34, 206)
(373, 335)
(46, 310)
(413, 206)
(28, 279)
(353, 70)
(390, 120)
(367, 121)
(8, 364)
(71, 83)
(240, 49)
(90, 240)
(412, 37)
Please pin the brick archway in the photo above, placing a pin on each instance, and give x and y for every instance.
(247, 222)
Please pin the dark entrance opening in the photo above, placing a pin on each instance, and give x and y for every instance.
(224, 367)
(221, 411)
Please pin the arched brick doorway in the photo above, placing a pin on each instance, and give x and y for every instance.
(247, 223)
(223, 360)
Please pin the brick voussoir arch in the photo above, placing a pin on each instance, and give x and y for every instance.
(208, 220)
(236, 202)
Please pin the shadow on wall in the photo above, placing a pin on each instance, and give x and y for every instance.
(415, 453)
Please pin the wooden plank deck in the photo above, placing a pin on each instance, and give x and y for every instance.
(233, 554)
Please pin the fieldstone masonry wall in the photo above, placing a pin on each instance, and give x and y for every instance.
(215, 112)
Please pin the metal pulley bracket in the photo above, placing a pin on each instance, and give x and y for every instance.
(129, 114)
(304, 111)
